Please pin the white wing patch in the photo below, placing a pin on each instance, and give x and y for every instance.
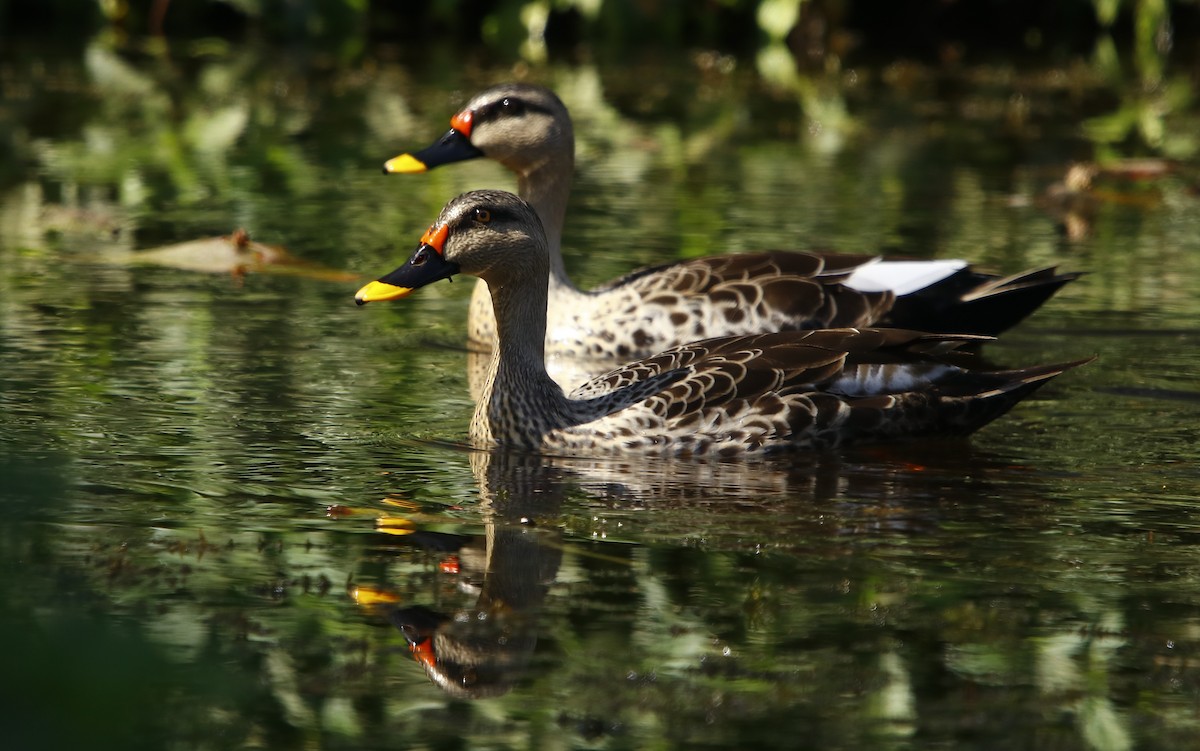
(875, 378)
(902, 277)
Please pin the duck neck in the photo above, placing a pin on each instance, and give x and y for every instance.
(547, 187)
(520, 327)
(520, 401)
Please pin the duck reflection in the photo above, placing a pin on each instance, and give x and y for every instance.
(821, 505)
(1071, 203)
(916, 476)
(1074, 201)
(481, 650)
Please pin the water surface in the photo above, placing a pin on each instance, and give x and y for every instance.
(194, 466)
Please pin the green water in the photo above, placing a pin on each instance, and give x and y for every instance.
(172, 441)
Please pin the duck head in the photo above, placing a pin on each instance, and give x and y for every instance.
(519, 125)
(490, 234)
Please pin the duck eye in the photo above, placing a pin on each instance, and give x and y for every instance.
(419, 257)
(512, 106)
(483, 216)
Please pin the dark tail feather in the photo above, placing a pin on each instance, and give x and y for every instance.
(960, 404)
(1008, 387)
(972, 303)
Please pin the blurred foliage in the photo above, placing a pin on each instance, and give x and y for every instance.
(1151, 98)
(926, 27)
(799, 45)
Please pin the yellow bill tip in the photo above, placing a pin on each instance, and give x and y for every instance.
(380, 292)
(405, 163)
(393, 525)
(369, 596)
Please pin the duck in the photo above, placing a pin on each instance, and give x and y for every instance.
(528, 129)
(729, 396)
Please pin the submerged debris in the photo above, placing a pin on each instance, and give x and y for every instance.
(233, 254)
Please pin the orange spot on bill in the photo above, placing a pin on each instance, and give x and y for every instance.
(435, 237)
(463, 122)
(423, 652)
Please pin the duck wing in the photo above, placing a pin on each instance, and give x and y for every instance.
(785, 290)
(808, 389)
(764, 291)
(756, 363)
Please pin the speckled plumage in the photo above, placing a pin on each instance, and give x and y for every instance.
(721, 396)
(528, 130)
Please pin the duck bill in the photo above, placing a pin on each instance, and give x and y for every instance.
(401, 282)
(452, 147)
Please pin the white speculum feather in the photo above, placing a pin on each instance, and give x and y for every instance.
(902, 277)
(890, 378)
